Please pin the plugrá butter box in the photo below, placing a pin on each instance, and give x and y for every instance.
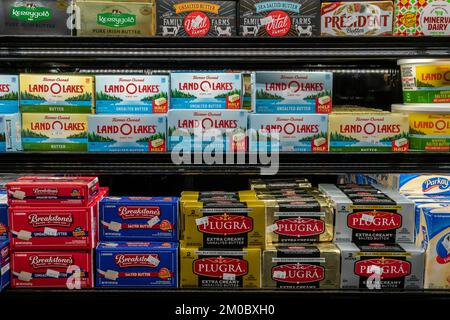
(9, 94)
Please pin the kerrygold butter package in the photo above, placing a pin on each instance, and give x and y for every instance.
(220, 268)
(305, 267)
(117, 18)
(56, 93)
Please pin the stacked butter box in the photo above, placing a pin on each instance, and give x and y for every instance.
(53, 230)
(4, 242)
(10, 138)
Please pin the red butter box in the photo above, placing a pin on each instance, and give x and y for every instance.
(52, 191)
(50, 269)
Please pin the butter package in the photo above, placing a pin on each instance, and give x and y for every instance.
(127, 133)
(200, 196)
(5, 273)
(422, 18)
(205, 90)
(36, 17)
(52, 191)
(138, 219)
(288, 132)
(54, 132)
(56, 93)
(220, 268)
(381, 216)
(381, 266)
(115, 18)
(224, 224)
(361, 18)
(52, 269)
(434, 237)
(181, 18)
(131, 94)
(248, 81)
(198, 130)
(4, 224)
(298, 220)
(293, 92)
(279, 184)
(368, 132)
(9, 94)
(415, 184)
(306, 267)
(10, 137)
(294, 18)
(137, 265)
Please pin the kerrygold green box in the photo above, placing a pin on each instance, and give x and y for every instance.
(116, 18)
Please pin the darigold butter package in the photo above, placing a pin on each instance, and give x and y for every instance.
(36, 17)
(224, 224)
(367, 132)
(198, 130)
(370, 215)
(131, 94)
(381, 266)
(360, 18)
(4, 224)
(220, 268)
(54, 132)
(205, 90)
(5, 273)
(434, 237)
(56, 93)
(116, 18)
(293, 92)
(137, 264)
(9, 94)
(306, 267)
(10, 137)
(288, 132)
(182, 18)
(139, 133)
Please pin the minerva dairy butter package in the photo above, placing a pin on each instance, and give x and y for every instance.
(54, 132)
(205, 90)
(422, 18)
(115, 18)
(429, 126)
(377, 131)
(131, 94)
(302, 267)
(220, 268)
(434, 237)
(425, 80)
(10, 137)
(361, 18)
(197, 130)
(127, 133)
(381, 266)
(9, 94)
(56, 93)
(288, 132)
(367, 214)
(293, 92)
(137, 265)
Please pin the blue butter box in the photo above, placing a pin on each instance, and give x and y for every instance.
(3, 216)
(137, 264)
(138, 219)
(4, 265)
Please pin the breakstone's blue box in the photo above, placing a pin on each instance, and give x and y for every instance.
(4, 265)
(3, 216)
(137, 264)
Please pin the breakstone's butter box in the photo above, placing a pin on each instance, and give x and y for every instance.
(5, 273)
(4, 225)
(294, 18)
(131, 94)
(293, 92)
(9, 94)
(288, 132)
(54, 132)
(56, 93)
(137, 264)
(207, 90)
(116, 18)
(196, 18)
(10, 138)
(138, 219)
(35, 17)
(140, 133)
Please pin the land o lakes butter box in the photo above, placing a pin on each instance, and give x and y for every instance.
(131, 94)
(54, 132)
(140, 133)
(56, 93)
(10, 138)
(9, 94)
